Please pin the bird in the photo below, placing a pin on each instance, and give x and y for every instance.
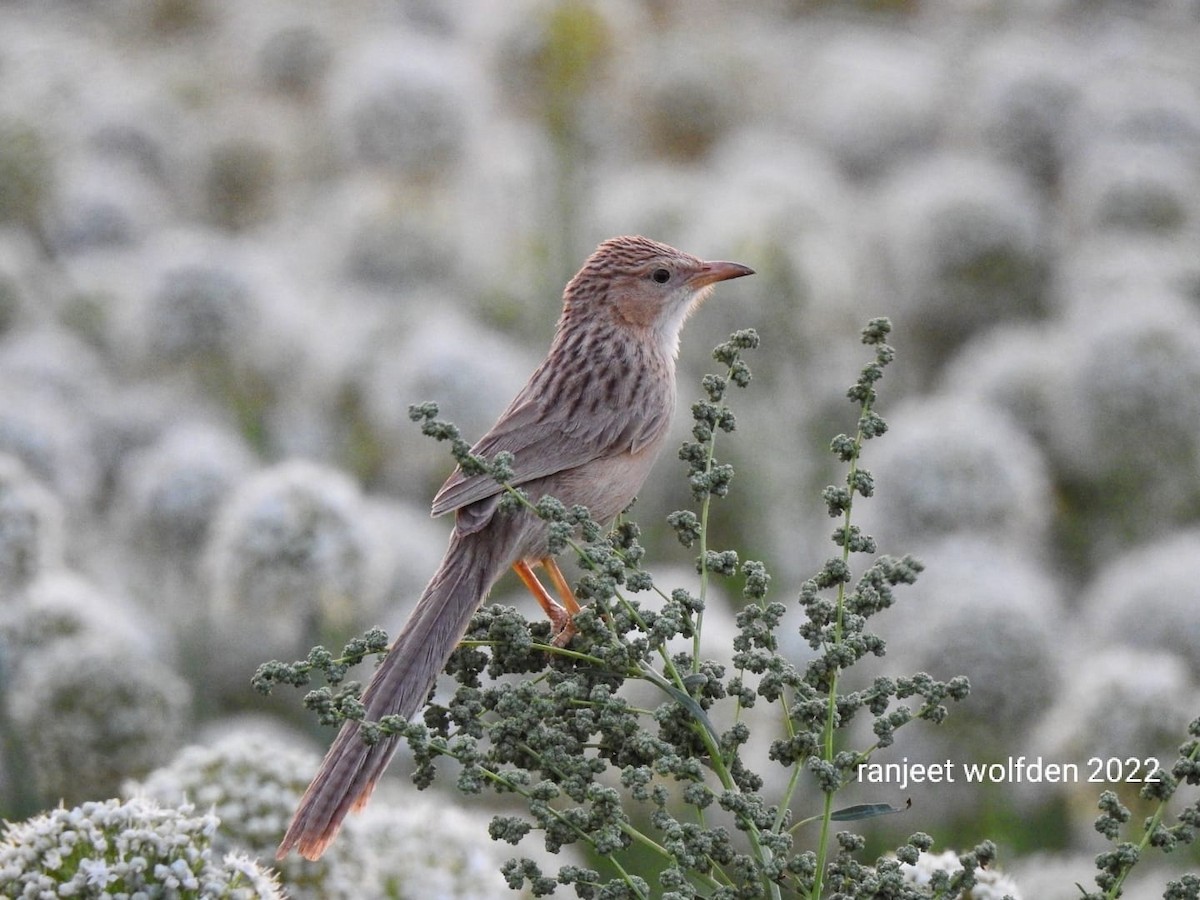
(585, 429)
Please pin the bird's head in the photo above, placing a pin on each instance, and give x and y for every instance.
(644, 285)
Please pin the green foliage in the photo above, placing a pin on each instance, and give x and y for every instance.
(676, 782)
(595, 769)
(1157, 830)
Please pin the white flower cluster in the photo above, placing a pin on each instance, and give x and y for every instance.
(989, 884)
(403, 845)
(250, 780)
(131, 849)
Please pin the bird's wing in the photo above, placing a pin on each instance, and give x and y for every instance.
(545, 441)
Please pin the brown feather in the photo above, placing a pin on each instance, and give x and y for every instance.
(586, 429)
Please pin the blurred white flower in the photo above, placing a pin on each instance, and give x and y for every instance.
(402, 103)
(61, 607)
(288, 546)
(990, 883)
(1115, 704)
(31, 528)
(1129, 188)
(471, 372)
(170, 492)
(1024, 90)
(57, 363)
(252, 781)
(289, 563)
(406, 546)
(89, 715)
(52, 440)
(1055, 877)
(294, 59)
(1123, 423)
(956, 465)
(126, 849)
(874, 98)
(964, 245)
(984, 611)
(198, 312)
(1141, 104)
(103, 204)
(1145, 599)
(681, 104)
(1095, 277)
(1016, 369)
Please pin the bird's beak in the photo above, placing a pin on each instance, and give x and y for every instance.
(712, 272)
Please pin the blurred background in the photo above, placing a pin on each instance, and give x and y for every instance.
(238, 239)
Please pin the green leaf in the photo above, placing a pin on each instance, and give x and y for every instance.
(866, 811)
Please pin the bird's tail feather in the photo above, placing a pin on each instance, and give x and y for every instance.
(399, 686)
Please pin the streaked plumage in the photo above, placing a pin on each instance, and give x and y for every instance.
(586, 429)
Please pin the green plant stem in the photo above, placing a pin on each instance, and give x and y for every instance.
(705, 504)
(518, 789)
(711, 741)
(711, 744)
(628, 829)
(827, 737)
(785, 802)
(1155, 820)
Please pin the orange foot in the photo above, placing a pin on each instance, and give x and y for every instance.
(560, 615)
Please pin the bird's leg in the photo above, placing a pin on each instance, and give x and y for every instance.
(560, 617)
(560, 584)
(562, 636)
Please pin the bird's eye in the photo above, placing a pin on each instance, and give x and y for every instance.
(662, 276)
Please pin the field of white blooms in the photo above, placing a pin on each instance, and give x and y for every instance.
(238, 239)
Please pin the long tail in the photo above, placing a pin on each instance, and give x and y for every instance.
(399, 687)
